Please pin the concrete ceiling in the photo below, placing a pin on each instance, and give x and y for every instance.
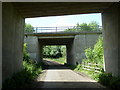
(42, 9)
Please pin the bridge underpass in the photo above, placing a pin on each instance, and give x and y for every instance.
(14, 14)
(75, 42)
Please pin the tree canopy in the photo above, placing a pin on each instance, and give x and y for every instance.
(92, 26)
(29, 28)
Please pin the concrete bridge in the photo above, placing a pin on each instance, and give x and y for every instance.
(13, 21)
(75, 42)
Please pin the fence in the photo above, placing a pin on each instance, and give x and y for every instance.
(92, 67)
(61, 29)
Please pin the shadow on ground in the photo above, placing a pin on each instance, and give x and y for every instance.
(53, 65)
(44, 85)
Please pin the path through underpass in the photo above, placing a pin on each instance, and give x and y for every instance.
(58, 76)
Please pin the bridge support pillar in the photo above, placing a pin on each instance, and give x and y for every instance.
(12, 40)
(111, 33)
(0, 45)
(70, 54)
(34, 47)
(40, 56)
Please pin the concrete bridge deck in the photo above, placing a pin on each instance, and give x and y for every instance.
(63, 33)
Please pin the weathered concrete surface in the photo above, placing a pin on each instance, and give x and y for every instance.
(42, 9)
(13, 37)
(0, 45)
(75, 45)
(81, 42)
(70, 54)
(33, 47)
(111, 33)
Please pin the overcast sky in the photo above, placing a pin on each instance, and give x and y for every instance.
(67, 20)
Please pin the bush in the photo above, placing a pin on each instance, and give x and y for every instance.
(53, 51)
(105, 78)
(26, 55)
(108, 80)
(29, 72)
(95, 54)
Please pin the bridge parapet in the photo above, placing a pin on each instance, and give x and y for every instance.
(62, 29)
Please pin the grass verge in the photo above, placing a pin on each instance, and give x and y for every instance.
(102, 77)
(61, 60)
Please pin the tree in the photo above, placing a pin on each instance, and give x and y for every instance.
(52, 51)
(95, 54)
(92, 26)
(29, 28)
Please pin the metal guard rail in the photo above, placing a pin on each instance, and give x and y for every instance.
(62, 29)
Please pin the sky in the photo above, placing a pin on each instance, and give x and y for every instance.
(67, 20)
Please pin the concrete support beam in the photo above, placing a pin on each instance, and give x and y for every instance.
(111, 33)
(70, 54)
(0, 45)
(40, 52)
(12, 41)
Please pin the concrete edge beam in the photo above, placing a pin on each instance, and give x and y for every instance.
(63, 33)
(56, 37)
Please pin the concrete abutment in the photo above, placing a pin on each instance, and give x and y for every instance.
(75, 46)
(111, 34)
(12, 40)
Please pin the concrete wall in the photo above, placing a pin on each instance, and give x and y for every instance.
(75, 46)
(13, 31)
(33, 47)
(0, 45)
(70, 54)
(40, 51)
(81, 42)
(111, 29)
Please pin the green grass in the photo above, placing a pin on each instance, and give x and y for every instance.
(61, 60)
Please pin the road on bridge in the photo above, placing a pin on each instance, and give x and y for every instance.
(58, 76)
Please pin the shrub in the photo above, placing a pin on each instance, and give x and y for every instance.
(95, 54)
(26, 55)
(29, 72)
(108, 80)
(105, 78)
(115, 82)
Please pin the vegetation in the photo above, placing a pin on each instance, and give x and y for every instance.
(92, 26)
(95, 55)
(29, 28)
(26, 55)
(61, 60)
(57, 53)
(53, 51)
(30, 71)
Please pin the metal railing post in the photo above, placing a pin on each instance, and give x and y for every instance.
(56, 29)
(36, 29)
